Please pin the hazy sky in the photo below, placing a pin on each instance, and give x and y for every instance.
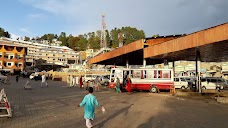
(164, 17)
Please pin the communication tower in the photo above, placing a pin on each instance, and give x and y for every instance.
(103, 33)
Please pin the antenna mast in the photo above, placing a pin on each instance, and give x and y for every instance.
(103, 33)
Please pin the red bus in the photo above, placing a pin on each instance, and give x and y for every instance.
(143, 79)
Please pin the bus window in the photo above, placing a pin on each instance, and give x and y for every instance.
(131, 74)
(113, 72)
(155, 73)
(159, 74)
(142, 76)
(145, 74)
(150, 74)
(166, 74)
(136, 74)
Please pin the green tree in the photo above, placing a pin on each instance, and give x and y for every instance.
(50, 37)
(114, 37)
(72, 41)
(93, 41)
(26, 38)
(82, 43)
(63, 38)
(4, 33)
(44, 37)
(108, 39)
(130, 35)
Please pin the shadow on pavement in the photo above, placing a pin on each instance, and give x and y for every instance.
(101, 124)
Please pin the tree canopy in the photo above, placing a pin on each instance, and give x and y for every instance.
(4, 33)
(91, 40)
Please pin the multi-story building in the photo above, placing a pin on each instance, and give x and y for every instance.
(53, 54)
(12, 56)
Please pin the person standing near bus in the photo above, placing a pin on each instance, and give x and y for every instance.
(118, 85)
(124, 81)
(80, 82)
(128, 86)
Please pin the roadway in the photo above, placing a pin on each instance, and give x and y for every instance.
(56, 107)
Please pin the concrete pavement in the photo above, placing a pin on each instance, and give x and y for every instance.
(56, 107)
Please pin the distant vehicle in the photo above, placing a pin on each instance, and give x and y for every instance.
(31, 77)
(225, 87)
(104, 80)
(213, 83)
(181, 82)
(89, 77)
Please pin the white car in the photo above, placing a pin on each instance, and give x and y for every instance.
(180, 83)
(104, 80)
(31, 77)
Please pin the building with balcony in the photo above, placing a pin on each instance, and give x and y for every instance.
(12, 56)
(52, 54)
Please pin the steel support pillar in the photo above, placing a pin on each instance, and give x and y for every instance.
(166, 65)
(173, 66)
(144, 63)
(198, 73)
(127, 63)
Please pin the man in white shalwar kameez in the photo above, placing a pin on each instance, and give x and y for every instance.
(43, 81)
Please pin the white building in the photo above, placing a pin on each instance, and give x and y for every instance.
(54, 53)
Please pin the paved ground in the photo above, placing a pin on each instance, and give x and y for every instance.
(56, 107)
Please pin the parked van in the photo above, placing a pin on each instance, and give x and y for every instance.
(213, 83)
(89, 77)
(180, 83)
(103, 79)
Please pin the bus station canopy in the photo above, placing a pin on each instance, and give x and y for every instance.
(211, 44)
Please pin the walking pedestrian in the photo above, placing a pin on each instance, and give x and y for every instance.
(68, 81)
(74, 81)
(89, 102)
(71, 81)
(118, 85)
(43, 81)
(77, 81)
(128, 86)
(96, 83)
(17, 78)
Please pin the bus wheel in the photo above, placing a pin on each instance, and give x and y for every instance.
(153, 89)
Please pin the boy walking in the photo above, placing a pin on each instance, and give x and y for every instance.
(89, 103)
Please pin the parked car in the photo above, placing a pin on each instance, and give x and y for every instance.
(89, 77)
(217, 83)
(180, 83)
(31, 77)
(104, 80)
(225, 87)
